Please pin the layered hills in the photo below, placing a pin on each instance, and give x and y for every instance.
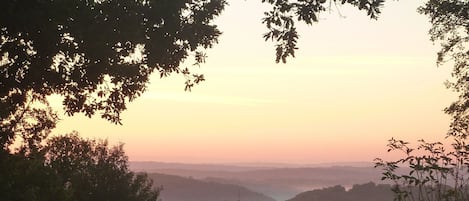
(281, 182)
(177, 188)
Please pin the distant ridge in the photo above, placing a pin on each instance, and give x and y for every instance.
(361, 192)
(149, 166)
(279, 183)
(154, 165)
(176, 188)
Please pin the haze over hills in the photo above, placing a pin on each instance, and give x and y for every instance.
(279, 183)
(156, 165)
(150, 166)
(176, 188)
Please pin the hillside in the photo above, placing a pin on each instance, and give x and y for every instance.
(279, 181)
(363, 192)
(176, 188)
(282, 183)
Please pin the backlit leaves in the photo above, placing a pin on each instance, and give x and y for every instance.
(450, 27)
(98, 55)
(280, 20)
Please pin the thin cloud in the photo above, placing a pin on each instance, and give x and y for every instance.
(202, 98)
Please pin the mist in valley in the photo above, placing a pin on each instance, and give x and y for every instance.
(257, 182)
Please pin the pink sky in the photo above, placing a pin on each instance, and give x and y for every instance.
(354, 84)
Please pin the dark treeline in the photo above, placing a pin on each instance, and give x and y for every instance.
(69, 168)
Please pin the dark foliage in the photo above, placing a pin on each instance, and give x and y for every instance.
(91, 170)
(28, 179)
(280, 21)
(97, 54)
(450, 27)
(437, 172)
(73, 169)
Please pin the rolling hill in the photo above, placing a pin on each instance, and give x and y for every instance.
(279, 183)
(362, 192)
(177, 188)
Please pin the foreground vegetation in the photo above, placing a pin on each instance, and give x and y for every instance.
(70, 168)
(439, 171)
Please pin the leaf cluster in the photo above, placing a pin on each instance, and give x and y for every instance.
(97, 54)
(281, 19)
(29, 124)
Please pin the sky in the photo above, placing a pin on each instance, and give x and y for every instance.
(354, 84)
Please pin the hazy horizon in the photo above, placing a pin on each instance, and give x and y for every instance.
(261, 163)
(278, 181)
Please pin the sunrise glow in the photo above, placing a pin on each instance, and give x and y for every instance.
(354, 84)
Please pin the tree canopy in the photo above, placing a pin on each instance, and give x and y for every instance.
(71, 168)
(92, 170)
(98, 55)
(450, 27)
(87, 50)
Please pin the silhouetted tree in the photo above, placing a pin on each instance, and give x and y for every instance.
(26, 178)
(70, 168)
(91, 170)
(31, 123)
(97, 54)
(438, 171)
(450, 27)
